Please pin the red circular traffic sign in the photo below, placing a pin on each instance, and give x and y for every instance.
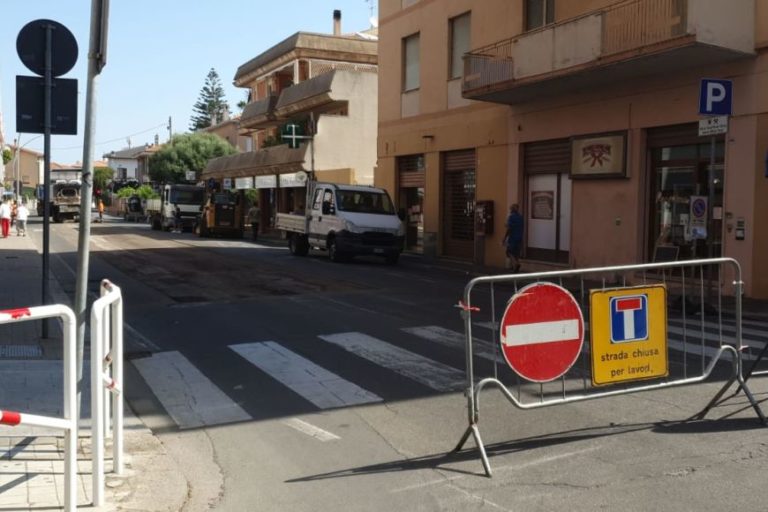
(542, 332)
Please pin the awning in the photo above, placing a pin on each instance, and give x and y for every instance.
(272, 160)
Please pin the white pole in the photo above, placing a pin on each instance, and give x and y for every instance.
(117, 375)
(97, 403)
(70, 412)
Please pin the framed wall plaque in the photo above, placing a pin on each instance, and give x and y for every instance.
(599, 156)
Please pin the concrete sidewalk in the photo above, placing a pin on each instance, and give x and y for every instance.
(32, 458)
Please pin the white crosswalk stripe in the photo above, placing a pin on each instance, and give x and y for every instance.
(188, 396)
(455, 340)
(314, 383)
(433, 374)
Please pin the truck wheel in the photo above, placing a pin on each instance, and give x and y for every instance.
(298, 245)
(155, 223)
(334, 254)
(164, 225)
(57, 218)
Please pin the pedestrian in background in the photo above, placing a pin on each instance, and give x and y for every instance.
(513, 239)
(14, 210)
(22, 214)
(101, 210)
(253, 217)
(177, 226)
(5, 218)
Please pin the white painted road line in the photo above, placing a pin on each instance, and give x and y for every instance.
(187, 395)
(455, 340)
(312, 431)
(314, 383)
(431, 373)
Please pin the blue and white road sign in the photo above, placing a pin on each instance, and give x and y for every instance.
(629, 318)
(715, 97)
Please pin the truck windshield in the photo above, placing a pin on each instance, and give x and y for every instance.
(364, 201)
(194, 196)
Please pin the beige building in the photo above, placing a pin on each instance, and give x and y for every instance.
(318, 86)
(586, 113)
(25, 166)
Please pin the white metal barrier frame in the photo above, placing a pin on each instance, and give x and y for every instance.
(106, 383)
(734, 348)
(69, 422)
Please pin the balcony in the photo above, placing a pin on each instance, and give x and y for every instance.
(621, 42)
(259, 114)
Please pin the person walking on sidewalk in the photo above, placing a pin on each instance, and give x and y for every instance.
(513, 239)
(5, 218)
(253, 217)
(101, 210)
(22, 214)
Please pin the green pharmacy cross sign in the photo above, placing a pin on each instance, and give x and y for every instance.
(293, 134)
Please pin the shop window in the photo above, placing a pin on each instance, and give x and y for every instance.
(539, 13)
(460, 41)
(686, 216)
(411, 64)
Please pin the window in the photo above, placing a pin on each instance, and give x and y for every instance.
(539, 13)
(411, 63)
(459, 34)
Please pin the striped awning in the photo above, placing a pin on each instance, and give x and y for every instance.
(272, 160)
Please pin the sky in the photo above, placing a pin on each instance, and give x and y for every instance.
(159, 53)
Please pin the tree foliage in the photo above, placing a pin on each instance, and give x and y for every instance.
(211, 106)
(7, 155)
(144, 192)
(102, 176)
(187, 152)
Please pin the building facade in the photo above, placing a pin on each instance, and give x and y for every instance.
(24, 170)
(586, 114)
(312, 110)
(131, 164)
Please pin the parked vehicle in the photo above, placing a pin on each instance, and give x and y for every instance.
(64, 195)
(133, 210)
(161, 211)
(222, 215)
(346, 221)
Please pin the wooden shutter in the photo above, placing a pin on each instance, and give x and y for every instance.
(411, 172)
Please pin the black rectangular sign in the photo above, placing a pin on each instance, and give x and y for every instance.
(30, 105)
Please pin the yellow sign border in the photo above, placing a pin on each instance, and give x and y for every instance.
(650, 355)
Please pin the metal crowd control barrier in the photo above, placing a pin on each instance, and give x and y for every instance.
(106, 383)
(69, 423)
(692, 313)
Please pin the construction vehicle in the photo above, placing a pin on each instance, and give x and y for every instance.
(161, 212)
(63, 197)
(223, 214)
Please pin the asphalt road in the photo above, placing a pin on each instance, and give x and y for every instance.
(285, 383)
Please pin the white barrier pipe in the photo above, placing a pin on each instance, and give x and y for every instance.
(107, 384)
(69, 422)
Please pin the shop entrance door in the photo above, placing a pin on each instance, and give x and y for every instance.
(459, 204)
(548, 217)
(412, 181)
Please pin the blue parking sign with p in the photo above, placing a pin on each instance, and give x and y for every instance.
(629, 318)
(715, 97)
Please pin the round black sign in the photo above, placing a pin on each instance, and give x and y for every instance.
(30, 45)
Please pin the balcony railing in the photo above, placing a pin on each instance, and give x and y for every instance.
(596, 35)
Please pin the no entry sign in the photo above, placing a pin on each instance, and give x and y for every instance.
(542, 332)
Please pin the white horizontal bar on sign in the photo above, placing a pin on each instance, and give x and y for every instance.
(423, 370)
(540, 332)
(312, 382)
(188, 396)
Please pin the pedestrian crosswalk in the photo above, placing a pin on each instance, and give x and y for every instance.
(430, 356)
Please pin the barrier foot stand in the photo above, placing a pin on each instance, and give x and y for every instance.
(742, 387)
(700, 415)
(463, 440)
